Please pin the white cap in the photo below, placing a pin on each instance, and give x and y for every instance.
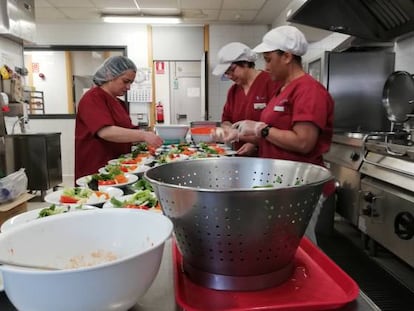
(233, 52)
(284, 38)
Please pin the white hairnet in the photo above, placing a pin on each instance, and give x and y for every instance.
(111, 68)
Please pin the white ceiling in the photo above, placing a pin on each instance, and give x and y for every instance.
(191, 11)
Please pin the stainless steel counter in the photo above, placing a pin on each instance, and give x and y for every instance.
(160, 296)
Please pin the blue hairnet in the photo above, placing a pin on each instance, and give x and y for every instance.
(111, 68)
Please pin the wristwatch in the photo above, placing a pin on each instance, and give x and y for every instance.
(265, 131)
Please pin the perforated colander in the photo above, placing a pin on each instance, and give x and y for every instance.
(238, 221)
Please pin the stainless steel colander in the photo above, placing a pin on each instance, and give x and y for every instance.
(238, 221)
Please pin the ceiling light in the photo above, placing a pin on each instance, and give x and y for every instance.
(137, 19)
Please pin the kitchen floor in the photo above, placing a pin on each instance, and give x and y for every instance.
(387, 280)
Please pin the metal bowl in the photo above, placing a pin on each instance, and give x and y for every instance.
(231, 234)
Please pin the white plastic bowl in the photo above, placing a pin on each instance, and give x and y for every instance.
(176, 132)
(136, 238)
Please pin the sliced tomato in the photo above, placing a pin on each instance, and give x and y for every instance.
(67, 199)
(121, 179)
(99, 193)
(128, 168)
(106, 182)
(129, 161)
(151, 150)
(137, 206)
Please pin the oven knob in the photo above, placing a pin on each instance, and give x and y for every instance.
(367, 210)
(404, 225)
(354, 156)
(369, 197)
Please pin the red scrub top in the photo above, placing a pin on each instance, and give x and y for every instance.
(96, 110)
(303, 100)
(241, 106)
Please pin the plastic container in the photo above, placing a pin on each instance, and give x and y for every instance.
(204, 124)
(202, 134)
(172, 133)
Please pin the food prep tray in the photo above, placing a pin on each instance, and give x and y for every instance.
(316, 284)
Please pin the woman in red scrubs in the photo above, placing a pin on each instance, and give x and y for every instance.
(103, 128)
(249, 94)
(297, 123)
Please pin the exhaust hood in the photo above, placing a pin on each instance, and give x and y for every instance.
(376, 20)
(17, 20)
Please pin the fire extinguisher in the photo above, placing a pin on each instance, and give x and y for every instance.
(159, 112)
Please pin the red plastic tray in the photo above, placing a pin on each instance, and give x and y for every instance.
(316, 284)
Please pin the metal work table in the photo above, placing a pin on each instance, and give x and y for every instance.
(160, 297)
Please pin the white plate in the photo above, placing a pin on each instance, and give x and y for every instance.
(139, 169)
(145, 160)
(177, 157)
(1, 283)
(83, 181)
(54, 197)
(25, 217)
(108, 204)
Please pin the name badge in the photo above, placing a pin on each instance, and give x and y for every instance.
(259, 106)
(279, 108)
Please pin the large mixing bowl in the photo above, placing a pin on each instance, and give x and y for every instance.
(238, 221)
(109, 258)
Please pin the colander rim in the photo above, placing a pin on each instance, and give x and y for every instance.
(242, 189)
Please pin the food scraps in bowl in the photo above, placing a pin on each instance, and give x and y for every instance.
(94, 258)
(113, 252)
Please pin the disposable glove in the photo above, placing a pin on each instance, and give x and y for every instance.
(225, 134)
(249, 127)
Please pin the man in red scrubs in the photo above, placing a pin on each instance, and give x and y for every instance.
(250, 93)
(104, 129)
(297, 123)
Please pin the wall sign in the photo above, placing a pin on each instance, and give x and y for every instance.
(159, 68)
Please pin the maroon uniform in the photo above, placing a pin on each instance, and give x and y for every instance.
(303, 100)
(241, 106)
(96, 110)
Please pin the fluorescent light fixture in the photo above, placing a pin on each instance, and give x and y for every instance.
(136, 19)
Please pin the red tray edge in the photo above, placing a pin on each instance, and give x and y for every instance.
(350, 287)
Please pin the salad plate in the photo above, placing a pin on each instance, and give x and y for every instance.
(171, 157)
(131, 169)
(28, 216)
(143, 199)
(129, 160)
(83, 181)
(82, 195)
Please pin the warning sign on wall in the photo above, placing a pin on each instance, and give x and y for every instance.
(35, 67)
(159, 68)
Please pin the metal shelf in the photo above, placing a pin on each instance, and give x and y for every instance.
(36, 101)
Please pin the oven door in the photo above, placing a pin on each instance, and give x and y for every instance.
(387, 216)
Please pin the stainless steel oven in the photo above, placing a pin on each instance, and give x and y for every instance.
(387, 216)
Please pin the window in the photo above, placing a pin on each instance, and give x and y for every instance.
(59, 75)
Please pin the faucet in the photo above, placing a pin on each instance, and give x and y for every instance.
(22, 121)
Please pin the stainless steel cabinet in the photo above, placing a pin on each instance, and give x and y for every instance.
(39, 154)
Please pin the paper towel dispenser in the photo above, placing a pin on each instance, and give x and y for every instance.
(17, 20)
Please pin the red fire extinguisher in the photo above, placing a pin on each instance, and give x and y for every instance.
(159, 112)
